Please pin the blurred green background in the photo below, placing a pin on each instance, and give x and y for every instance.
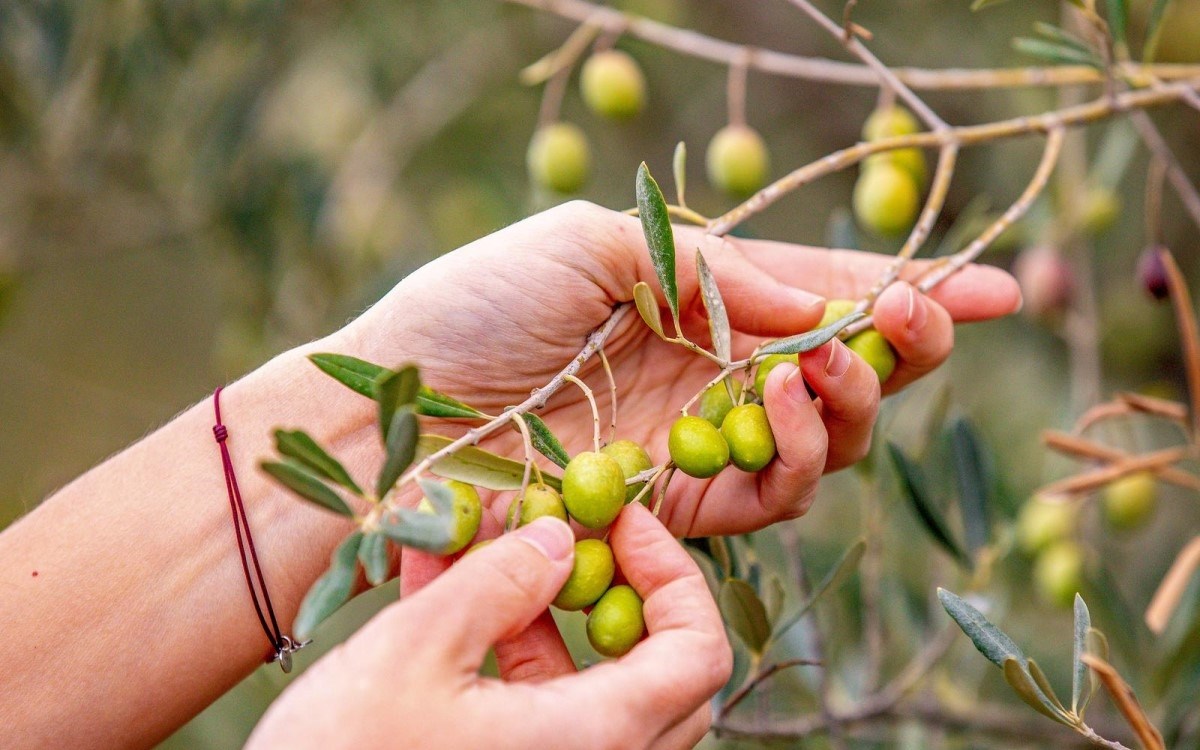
(187, 188)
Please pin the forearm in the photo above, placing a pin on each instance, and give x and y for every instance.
(124, 604)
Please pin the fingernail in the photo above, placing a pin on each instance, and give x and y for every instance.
(917, 312)
(839, 359)
(807, 299)
(794, 385)
(550, 536)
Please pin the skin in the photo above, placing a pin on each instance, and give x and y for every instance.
(176, 571)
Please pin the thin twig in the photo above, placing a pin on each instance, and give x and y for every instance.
(519, 421)
(1179, 180)
(612, 389)
(761, 676)
(591, 398)
(1092, 480)
(1083, 448)
(694, 44)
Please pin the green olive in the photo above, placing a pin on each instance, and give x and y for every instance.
(886, 199)
(836, 309)
(633, 460)
(697, 448)
(1058, 573)
(467, 511)
(874, 348)
(593, 489)
(715, 404)
(613, 85)
(559, 158)
(615, 624)
(590, 576)
(1129, 502)
(887, 122)
(911, 160)
(768, 363)
(1101, 209)
(538, 500)
(748, 433)
(737, 160)
(1041, 523)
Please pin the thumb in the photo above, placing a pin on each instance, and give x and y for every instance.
(495, 592)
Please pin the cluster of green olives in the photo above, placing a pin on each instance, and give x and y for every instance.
(887, 195)
(612, 85)
(594, 490)
(1045, 529)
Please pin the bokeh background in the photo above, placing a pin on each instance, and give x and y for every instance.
(187, 188)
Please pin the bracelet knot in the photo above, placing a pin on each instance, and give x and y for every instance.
(220, 433)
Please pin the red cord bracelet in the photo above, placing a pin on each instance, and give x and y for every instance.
(282, 646)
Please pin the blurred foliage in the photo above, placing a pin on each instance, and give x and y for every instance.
(187, 188)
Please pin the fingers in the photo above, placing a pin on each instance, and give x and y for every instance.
(849, 392)
(919, 329)
(686, 657)
(493, 593)
(977, 292)
(687, 733)
(535, 654)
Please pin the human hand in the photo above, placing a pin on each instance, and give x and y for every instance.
(409, 678)
(493, 320)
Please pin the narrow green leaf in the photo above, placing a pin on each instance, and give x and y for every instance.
(306, 485)
(477, 466)
(394, 390)
(982, 4)
(439, 496)
(809, 340)
(1154, 29)
(840, 230)
(299, 445)
(1056, 53)
(356, 374)
(401, 449)
(912, 482)
(708, 568)
(1062, 36)
(544, 441)
(331, 590)
(660, 239)
(373, 555)
(1118, 21)
(833, 580)
(1022, 685)
(719, 547)
(412, 528)
(679, 169)
(431, 403)
(1039, 679)
(773, 597)
(1079, 670)
(647, 307)
(718, 318)
(992, 642)
(1097, 645)
(745, 613)
(974, 483)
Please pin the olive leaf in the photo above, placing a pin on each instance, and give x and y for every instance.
(1153, 29)
(660, 239)
(912, 482)
(971, 472)
(773, 597)
(1079, 670)
(840, 230)
(359, 376)
(401, 449)
(356, 374)
(373, 556)
(845, 567)
(412, 528)
(809, 340)
(1023, 685)
(1056, 52)
(745, 613)
(299, 445)
(1097, 645)
(647, 307)
(992, 642)
(394, 390)
(1039, 679)
(477, 466)
(718, 547)
(708, 568)
(679, 170)
(718, 318)
(331, 590)
(1118, 21)
(307, 485)
(544, 441)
